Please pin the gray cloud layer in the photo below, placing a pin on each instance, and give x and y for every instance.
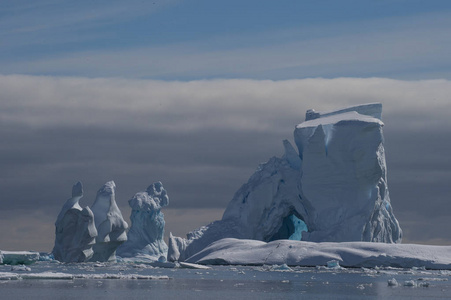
(203, 139)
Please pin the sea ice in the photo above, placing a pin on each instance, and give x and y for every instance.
(145, 237)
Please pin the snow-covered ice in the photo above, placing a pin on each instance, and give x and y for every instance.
(334, 188)
(68, 276)
(344, 178)
(145, 237)
(19, 257)
(347, 254)
(75, 231)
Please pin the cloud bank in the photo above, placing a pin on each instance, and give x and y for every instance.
(204, 138)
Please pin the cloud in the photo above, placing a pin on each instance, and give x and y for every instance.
(402, 47)
(204, 138)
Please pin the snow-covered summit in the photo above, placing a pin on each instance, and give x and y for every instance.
(333, 189)
(332, 119)
(371, 109)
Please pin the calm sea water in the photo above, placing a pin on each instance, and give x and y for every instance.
(225, 282)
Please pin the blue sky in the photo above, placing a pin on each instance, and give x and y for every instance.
(186, 40)
(198, 93)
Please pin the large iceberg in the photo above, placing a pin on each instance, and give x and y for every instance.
(145, 237)
(110, 225)
(75, 231)
(333, 189)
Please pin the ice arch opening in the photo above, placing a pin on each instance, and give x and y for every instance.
(291, 228)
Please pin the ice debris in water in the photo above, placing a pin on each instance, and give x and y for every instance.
(333, 264)
(409, 283)
(20, 268)
(392, 282)
(68, 276)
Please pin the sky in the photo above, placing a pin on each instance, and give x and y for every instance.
(197, 94)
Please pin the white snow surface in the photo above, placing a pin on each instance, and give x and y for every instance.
(351, 116)
(231, 251)
(145, 237)
(370, 109)
(75, 230)
(336, 184)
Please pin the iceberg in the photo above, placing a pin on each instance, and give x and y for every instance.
(18, 257)
(110, 225)
(75, 231)
(309, 254)
(333, 189)
(145, 237)
(344, 175)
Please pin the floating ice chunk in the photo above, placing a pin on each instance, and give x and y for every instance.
(43, 275)
(19, 257)
(193, 266)
(120, 276)
(68, 276)
(145, 236)
(110, 225)
(333, 264)
(20, 268)
(392, 282)
(75, 231)
(423, 284)
(281, 268)
(9, 276)
(410, 283)
(48, 275)
(44, 256)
